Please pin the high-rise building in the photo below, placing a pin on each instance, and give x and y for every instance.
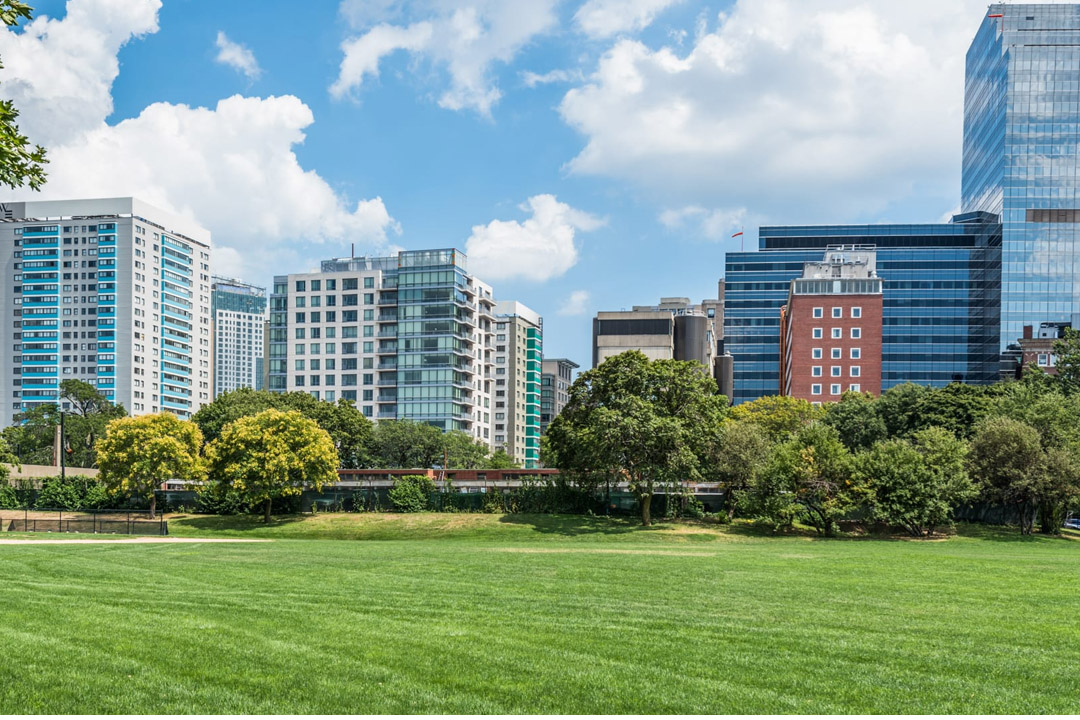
(1022, 156)
(555, 379)
(676, 329)
(940, 299)
(830, 328)
(405, 337)
(518, 354)
(113, 292)
(238, 312)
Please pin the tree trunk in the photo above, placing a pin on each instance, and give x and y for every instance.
(645, 500)
(153, 503)
(266, 510)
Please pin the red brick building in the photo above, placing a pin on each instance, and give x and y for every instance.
(830, 329)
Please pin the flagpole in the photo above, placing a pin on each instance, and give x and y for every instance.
(63, 453)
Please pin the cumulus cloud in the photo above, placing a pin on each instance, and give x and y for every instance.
(605, 18)
(538, 249)
(236, 56)
(464, 38)
(230, 167)
(576, 303)
(815, 107)
(531, 79)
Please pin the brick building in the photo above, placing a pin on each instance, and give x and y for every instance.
(830, 328)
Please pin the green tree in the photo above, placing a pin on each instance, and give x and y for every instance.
(641, 422)
(1067, 361)
(407, 444)
(138, 454)
(899, 408)
(462, 451)
(915, 484)
(412, 493)
(6, 458)
(780, 416)
(1007, 458)
(856, 420)
(20, 163)
(501, 459)
(809, 476)
(1060, 489)
(548, 459)
(350, 431)
(739, 454)
(957, 407)
(273, 454)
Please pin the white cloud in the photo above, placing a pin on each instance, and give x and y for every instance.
(576, 303)
(231, 167)
(605, 18)
(237, 56)
(809, 107)
(715, 224)
(465, 38)
(531, 79)
(540, 248)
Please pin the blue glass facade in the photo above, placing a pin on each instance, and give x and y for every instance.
(1021, 137)
(941, 301)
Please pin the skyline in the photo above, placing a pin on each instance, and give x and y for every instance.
(393, 129)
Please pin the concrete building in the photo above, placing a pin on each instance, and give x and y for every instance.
(404, 337)
(675, 329)
(518, 353)
(555, 378)
(114, 292)
(239, 317)
(830, 328)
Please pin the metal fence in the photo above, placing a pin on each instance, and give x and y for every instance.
(114, 522)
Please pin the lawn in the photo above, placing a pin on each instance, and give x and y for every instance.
(483, 614)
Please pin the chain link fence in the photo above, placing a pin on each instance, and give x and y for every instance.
(113, 522)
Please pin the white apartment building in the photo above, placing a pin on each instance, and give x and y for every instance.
(239, 317)
(114, 292)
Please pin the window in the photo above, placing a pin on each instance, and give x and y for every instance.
(837, 353)
(331, 284)
(1044, 359)
(815, 389)
(349, 284)
(856, 353)
(817, 333)
(838, 312)
(855, 387)
(816, 353)
(301, 302)
(369, 283)
(316, 285)
(837, 371)
(856, 333)
(856, 371)
(369, 298)
(819, 312)
(837, 333)
(301, 317)
(856, 312)
(301, 286)
(834, 389)
(814, 371)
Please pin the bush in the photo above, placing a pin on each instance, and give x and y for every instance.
(495, 502)
(76, 492)
(412, 493)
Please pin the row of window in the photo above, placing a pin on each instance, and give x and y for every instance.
(838, 312)
(837, 353)
(331, 284)
(837, 333)
(835, 389)
(837, 371)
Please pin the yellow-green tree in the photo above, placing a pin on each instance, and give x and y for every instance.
(138, 454)
(273, 454)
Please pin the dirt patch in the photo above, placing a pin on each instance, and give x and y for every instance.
(600, 551)
(122, 541)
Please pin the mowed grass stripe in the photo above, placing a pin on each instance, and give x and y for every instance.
(459, 625)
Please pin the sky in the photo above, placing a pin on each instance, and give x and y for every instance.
(586, 154)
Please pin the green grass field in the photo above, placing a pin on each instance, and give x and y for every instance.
(481, 614)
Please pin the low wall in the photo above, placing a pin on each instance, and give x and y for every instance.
(36, 472)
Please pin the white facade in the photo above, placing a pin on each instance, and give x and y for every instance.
(239, 321)
(114, 292)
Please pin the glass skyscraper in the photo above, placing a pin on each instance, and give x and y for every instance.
(1021, 137)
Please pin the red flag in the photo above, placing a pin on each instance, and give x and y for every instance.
(737, 234)
(996, 15)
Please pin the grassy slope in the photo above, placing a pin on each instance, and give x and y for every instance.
(477, 614)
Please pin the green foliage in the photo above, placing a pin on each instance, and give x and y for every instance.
(1007, 458)
(412, 493)
(648, 423)
(349, 430)
(548, 458)
(856, 420)
(738, 456)
(1067, 361)
(138, 454)
(495, 501)
(500, 459)
(272, 455)
(899, 408)
(957, 407)
(779, 416)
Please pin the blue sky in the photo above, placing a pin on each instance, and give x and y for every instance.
(666, 126)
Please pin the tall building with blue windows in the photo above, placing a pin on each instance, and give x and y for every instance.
(940, 299)
(238, 312)
(1021, 161)
(113, 292)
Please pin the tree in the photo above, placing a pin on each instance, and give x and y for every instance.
(462, 451)
(780, 416)
(644, 423)
(811, 476)
(548, 458)
(271, 455)
(899, 408)
(1007, 458)
(407, 444)
(957, 407)
(138, 454)
(1067, 361)
(739, 454)
(916, 483)
(20, 164)
(6, 458)
(1060, 489)
(856, 420)
(501, 459)
(350, 431)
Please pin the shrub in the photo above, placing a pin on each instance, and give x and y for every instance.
(412, 493)
(495, 501)
(75, 492)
